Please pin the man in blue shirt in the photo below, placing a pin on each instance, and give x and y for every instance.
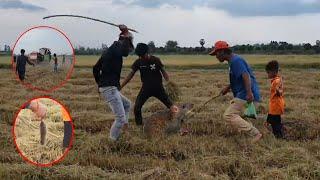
(244, 87)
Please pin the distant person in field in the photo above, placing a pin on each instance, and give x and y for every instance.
(50, 57)
(63, 59)
(107, 73)
(22, 60)
(276, 102)
(55, 59)
(151, 72)
(244, 87)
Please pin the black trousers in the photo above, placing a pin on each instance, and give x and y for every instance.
(21, 75)
(277, 127)
(144, 95)
(67, 134)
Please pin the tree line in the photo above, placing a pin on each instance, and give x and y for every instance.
(172, 47)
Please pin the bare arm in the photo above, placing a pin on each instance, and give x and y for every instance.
(165, 74)
(279, 92)
(247, 84)
(127, 79)
(279, 89)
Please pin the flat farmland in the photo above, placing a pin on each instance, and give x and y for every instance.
(210, 151)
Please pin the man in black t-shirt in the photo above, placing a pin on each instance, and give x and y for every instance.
(151, 72)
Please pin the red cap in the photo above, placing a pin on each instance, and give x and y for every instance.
(218, 46)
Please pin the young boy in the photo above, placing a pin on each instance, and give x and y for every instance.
(276, 104)
(55, 69)
(151, 72)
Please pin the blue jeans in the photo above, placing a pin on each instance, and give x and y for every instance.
(120, 106)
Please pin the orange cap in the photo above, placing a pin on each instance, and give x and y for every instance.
(218, 46)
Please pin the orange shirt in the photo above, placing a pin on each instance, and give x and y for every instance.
(65, 114)
(276, 103)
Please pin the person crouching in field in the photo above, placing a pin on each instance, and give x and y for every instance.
(276, 102)
(55, 68)
(151, 72)
(244, 87)
(22, 61)
(107, 75)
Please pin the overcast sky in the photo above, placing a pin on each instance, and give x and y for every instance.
(43, 37)
(186, 21)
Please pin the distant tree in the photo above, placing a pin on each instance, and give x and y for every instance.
(242, 48)
(250, 48)
(104, 46)
(257, 47)
(152, 47)
(202, 42)
(264, 47)
(171, 46)
(283, 45)
(274, 45)
(290, 47)
(307, 46)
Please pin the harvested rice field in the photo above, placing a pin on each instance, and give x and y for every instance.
(210, 151)
(42, 77)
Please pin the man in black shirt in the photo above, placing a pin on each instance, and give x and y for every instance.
(151, 72)
(107, 75)
(22, 60)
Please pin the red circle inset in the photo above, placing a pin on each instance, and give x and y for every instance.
(30, 86)
(22, 154)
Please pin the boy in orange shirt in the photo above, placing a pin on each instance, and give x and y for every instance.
(276, 103)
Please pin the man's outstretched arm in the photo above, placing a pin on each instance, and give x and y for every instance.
(127, 79)
(165, 74)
